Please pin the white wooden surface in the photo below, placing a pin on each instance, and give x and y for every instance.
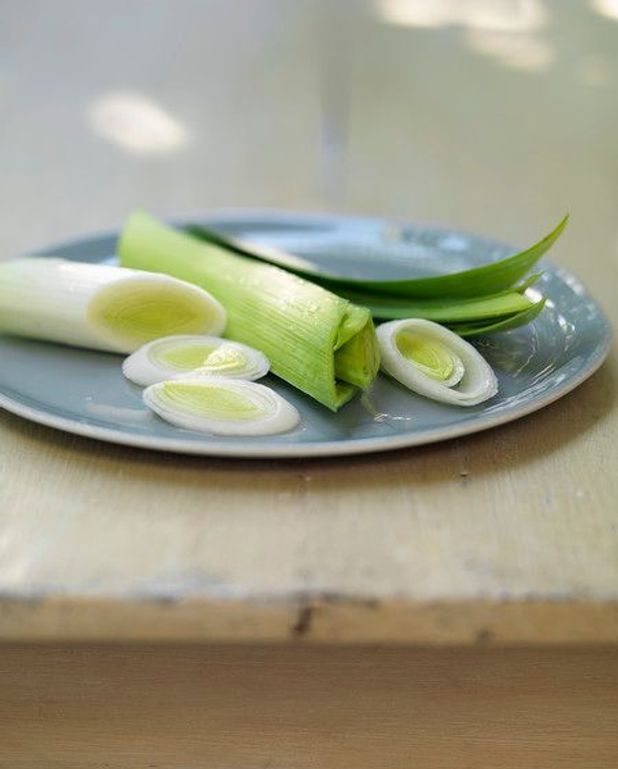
(507, 536)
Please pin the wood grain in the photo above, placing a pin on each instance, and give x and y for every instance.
(197, 707)
(510, 535)
(312, 619)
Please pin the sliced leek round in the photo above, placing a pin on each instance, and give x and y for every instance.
(173, 357)
(435, 362)
(221, 406)
(100, 306)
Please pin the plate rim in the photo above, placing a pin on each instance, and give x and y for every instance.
(309, 449)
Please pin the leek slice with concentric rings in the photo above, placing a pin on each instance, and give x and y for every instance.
(221, 406)
(433, 361)
(174, 357)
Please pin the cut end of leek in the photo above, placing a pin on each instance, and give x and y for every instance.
(434, 361)
(357, 361)
(99, 306)
(221, 406)
(174, 357)
(144, 307)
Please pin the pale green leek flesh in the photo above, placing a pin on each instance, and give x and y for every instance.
(226, 358)
(160, 313)
(199, 356)
(186, 357)
(213, 401)
(308, 333)
(357, 361)
(430, 356)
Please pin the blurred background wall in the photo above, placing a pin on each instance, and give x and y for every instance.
(493, 116)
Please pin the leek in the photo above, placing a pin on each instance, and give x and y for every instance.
(500, 324)
(435, 362)
(308, 333)
(175, 357)
(100, 307)
(221, 406)
(477, 281)
(481, 300)
(445, 310)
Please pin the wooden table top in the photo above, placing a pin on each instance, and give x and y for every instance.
(508, 536)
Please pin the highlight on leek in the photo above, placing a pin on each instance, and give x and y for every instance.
(221, 406)
(433, 361)
(100, 307)
(174, 357)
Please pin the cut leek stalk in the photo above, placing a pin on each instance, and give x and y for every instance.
(358, 360)
(308, 333)
(435, 362)
(478, 281)
(221, 406)
(174, 357)
(100, 307)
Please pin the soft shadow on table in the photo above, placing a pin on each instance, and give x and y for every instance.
(485, 453)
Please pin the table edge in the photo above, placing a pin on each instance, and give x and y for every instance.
(321, 619)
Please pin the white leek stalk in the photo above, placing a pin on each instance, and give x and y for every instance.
(174, 357)
(99, 306)
(221, 406)
(435, 362)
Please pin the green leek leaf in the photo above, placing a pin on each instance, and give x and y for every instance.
(443, 310)
(502, 324)
(478, 281)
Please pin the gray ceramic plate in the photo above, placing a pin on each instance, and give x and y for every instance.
(84, 392)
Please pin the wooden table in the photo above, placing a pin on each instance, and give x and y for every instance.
(447, 606)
